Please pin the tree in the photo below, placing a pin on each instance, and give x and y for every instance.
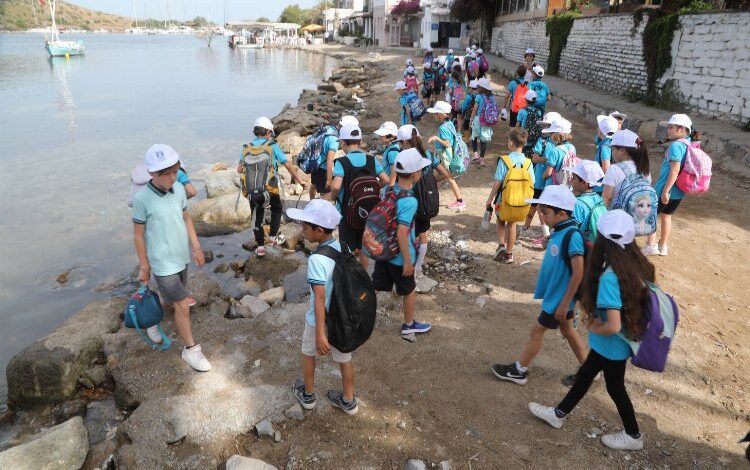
(200, 21)
(263, 19)
(293, 14)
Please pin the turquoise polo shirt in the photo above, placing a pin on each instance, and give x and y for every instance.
(557, 155)
(389, 156)
(554, 275)
(183, 178)
(358, 159)
(544, 147)
(582, 211)
(403, 101)
(542, 92)
(320, 273)
(406, 210)
(446, 131)
(167, 247)
(676, 152)
(518, 159)
(330, 144)
(603, 154)
(608, 297)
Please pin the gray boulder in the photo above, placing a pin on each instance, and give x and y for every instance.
(273, 296)
(204, 288)
(291, 142)
(251, 306)
(414, 464)
(224, 211)
(222, 182)
(48, 370)
(237, 462)
(59, 447)
(297, 119)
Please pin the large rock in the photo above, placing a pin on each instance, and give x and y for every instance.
(222, 182)
(226, 211)
(291, 142)
(48, 370)
(237, 462)
(204, 288)
(60, 447)
(251, 306)
(272, 296)
(297, 119)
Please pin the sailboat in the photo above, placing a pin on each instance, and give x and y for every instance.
(57, 48)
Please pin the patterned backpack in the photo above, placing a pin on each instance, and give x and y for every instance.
(458, 95)
(695, 175)
(490, 113)
(533, 128)
(563, 175)
(307, 160)
(379, 241)
(638, 198)
(416, 106)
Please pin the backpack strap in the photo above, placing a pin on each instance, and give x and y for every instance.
(166, 342)
(329, 252)
(508, 164)
(565, 245)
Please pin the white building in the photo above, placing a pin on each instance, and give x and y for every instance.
(340, 13)
(431, 25)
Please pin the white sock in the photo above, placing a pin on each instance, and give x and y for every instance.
(545, 230)
(521, 369)
(422, 252)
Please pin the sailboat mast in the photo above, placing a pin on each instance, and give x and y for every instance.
(52, 8)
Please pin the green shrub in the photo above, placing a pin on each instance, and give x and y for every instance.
(657, 50)
(558, 27)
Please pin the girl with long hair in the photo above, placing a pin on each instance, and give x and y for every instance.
(631, 157)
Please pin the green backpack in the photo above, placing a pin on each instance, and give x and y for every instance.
(596, 210)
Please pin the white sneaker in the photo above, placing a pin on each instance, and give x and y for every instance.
(663, 250)
(153, 334)
(650, 250)
(546, 413)
(622, 441)
(195, 358)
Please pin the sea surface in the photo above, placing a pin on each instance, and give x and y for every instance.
(72, 129)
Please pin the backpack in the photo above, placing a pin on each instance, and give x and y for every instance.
(308, 158)
(516, 189)
(563, 175)
(350, 318)
(379, 240)
(416, 106)
(473, 68)
(484, 66)
(411, 82)
(260, 172)
(362, 191)
(519, 96)
(460, 156)
(428, 195)
(588, 228)
(638, 198)
(139, 178)
(143, 311)
(532, 127)
(650, 353)
(695, 174)
(490, 113)
(458, 95)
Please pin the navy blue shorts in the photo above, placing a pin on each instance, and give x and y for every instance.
(549, 321)
(668, 208)
(318, 178)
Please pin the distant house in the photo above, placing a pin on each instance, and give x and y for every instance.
(345, 16)
(415, 23)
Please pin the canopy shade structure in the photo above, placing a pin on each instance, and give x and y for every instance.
(312, 28)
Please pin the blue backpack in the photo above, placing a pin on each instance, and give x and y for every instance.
(416, 106)
(308, 158)
(638, 198)
(144, 311)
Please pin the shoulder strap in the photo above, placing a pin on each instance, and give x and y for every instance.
(566, 244)
(526, 164)
(370, 164)
(328, 251)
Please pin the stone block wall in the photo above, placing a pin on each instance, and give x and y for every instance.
(710, 71)
(512, 38)
(606, 52)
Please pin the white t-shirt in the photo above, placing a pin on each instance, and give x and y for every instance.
(615, 175)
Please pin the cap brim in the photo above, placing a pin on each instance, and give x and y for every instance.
(297, 214)
(533, 201)
(548, 130)
(381, 132)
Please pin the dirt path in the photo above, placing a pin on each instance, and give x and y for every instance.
(436, 399)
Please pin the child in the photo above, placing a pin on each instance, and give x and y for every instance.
(479, 133)
(409, 63)
(412, 84)
(607, 126)
(162, 229)
(467, 108)
(428, 56)
(449, 59)
(543, 148)
(512, 86)
(620, 117)
(631, 157)
(557, 284)
(428, 83)
(444, 144)
(587, 175)
(441, 75)
(263, 131)
(528, 58)
(483, 64)
(529, 119)
(322, 178)
(400, 270)
(387, 133)
(457, 91)
(541, 88)
(670, 196)
(613, 308)
(560, 133)
(319, 219)
(403, 101)
(355, 164)
(506, 229)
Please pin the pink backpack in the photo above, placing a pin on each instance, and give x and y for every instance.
(695, 175)
(563, 176)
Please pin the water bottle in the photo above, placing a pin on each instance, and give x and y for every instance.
(486, 219)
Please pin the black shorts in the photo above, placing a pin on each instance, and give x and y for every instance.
(421, 226)
(318, 178)
(668, 208)
(513, 119)
(549, 321)
(537, 193)
(386, 275)
(350, 236)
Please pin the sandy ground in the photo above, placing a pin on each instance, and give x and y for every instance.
(437, 400)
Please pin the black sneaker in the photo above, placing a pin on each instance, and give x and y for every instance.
(337, 399)
(307, 400)
(509, 372)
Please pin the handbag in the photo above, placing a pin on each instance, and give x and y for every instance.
(144, 311)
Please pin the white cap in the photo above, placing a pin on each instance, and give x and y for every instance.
(617, 226)
(409, 161)
(450, 51)
(409, 62)
(387, 128)
(440, 107)
(589, 171)
(429, 48)
(428, 65)
(348, 120)
(468, 50)
(410, 69)
(537, 69)
(319, 212)
(625, 138)
(556, 196)
(680, 120)
(562, 126)
(473, 47)
(618, 115)
(484, 83)
(530, 95)
(607, 124)
(405, 131)
(264, 122)
(529, 51)
(159, 157)
(350, 132)
(550, 118)
(400, 85)
(480, 51)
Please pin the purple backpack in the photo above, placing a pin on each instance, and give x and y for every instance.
(651, 351)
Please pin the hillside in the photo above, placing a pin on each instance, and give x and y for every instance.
(18, 15)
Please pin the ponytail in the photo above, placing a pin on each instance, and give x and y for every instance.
(639, 156)
(416, 142)
(695, 135)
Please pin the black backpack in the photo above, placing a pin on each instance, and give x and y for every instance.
(361, 191)
(427, 194)
(533, 127)
(350, 318)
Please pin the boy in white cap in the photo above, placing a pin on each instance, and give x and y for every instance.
(269, 190)
(356, 169)
(512, 103)
(319, 219)
(620, 118)
(557, 284)
(399, 271)
(428, 83)
(541, 88)
(387, 133)
(322, 178)
(606, 128)
(162, 230)
(613, 312)
(543, 147)
(403, 101)
(587, 175)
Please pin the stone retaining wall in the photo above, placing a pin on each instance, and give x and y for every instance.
(513, 38)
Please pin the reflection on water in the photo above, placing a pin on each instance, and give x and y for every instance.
(72, 131)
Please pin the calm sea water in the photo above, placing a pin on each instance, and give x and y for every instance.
(71, 131)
